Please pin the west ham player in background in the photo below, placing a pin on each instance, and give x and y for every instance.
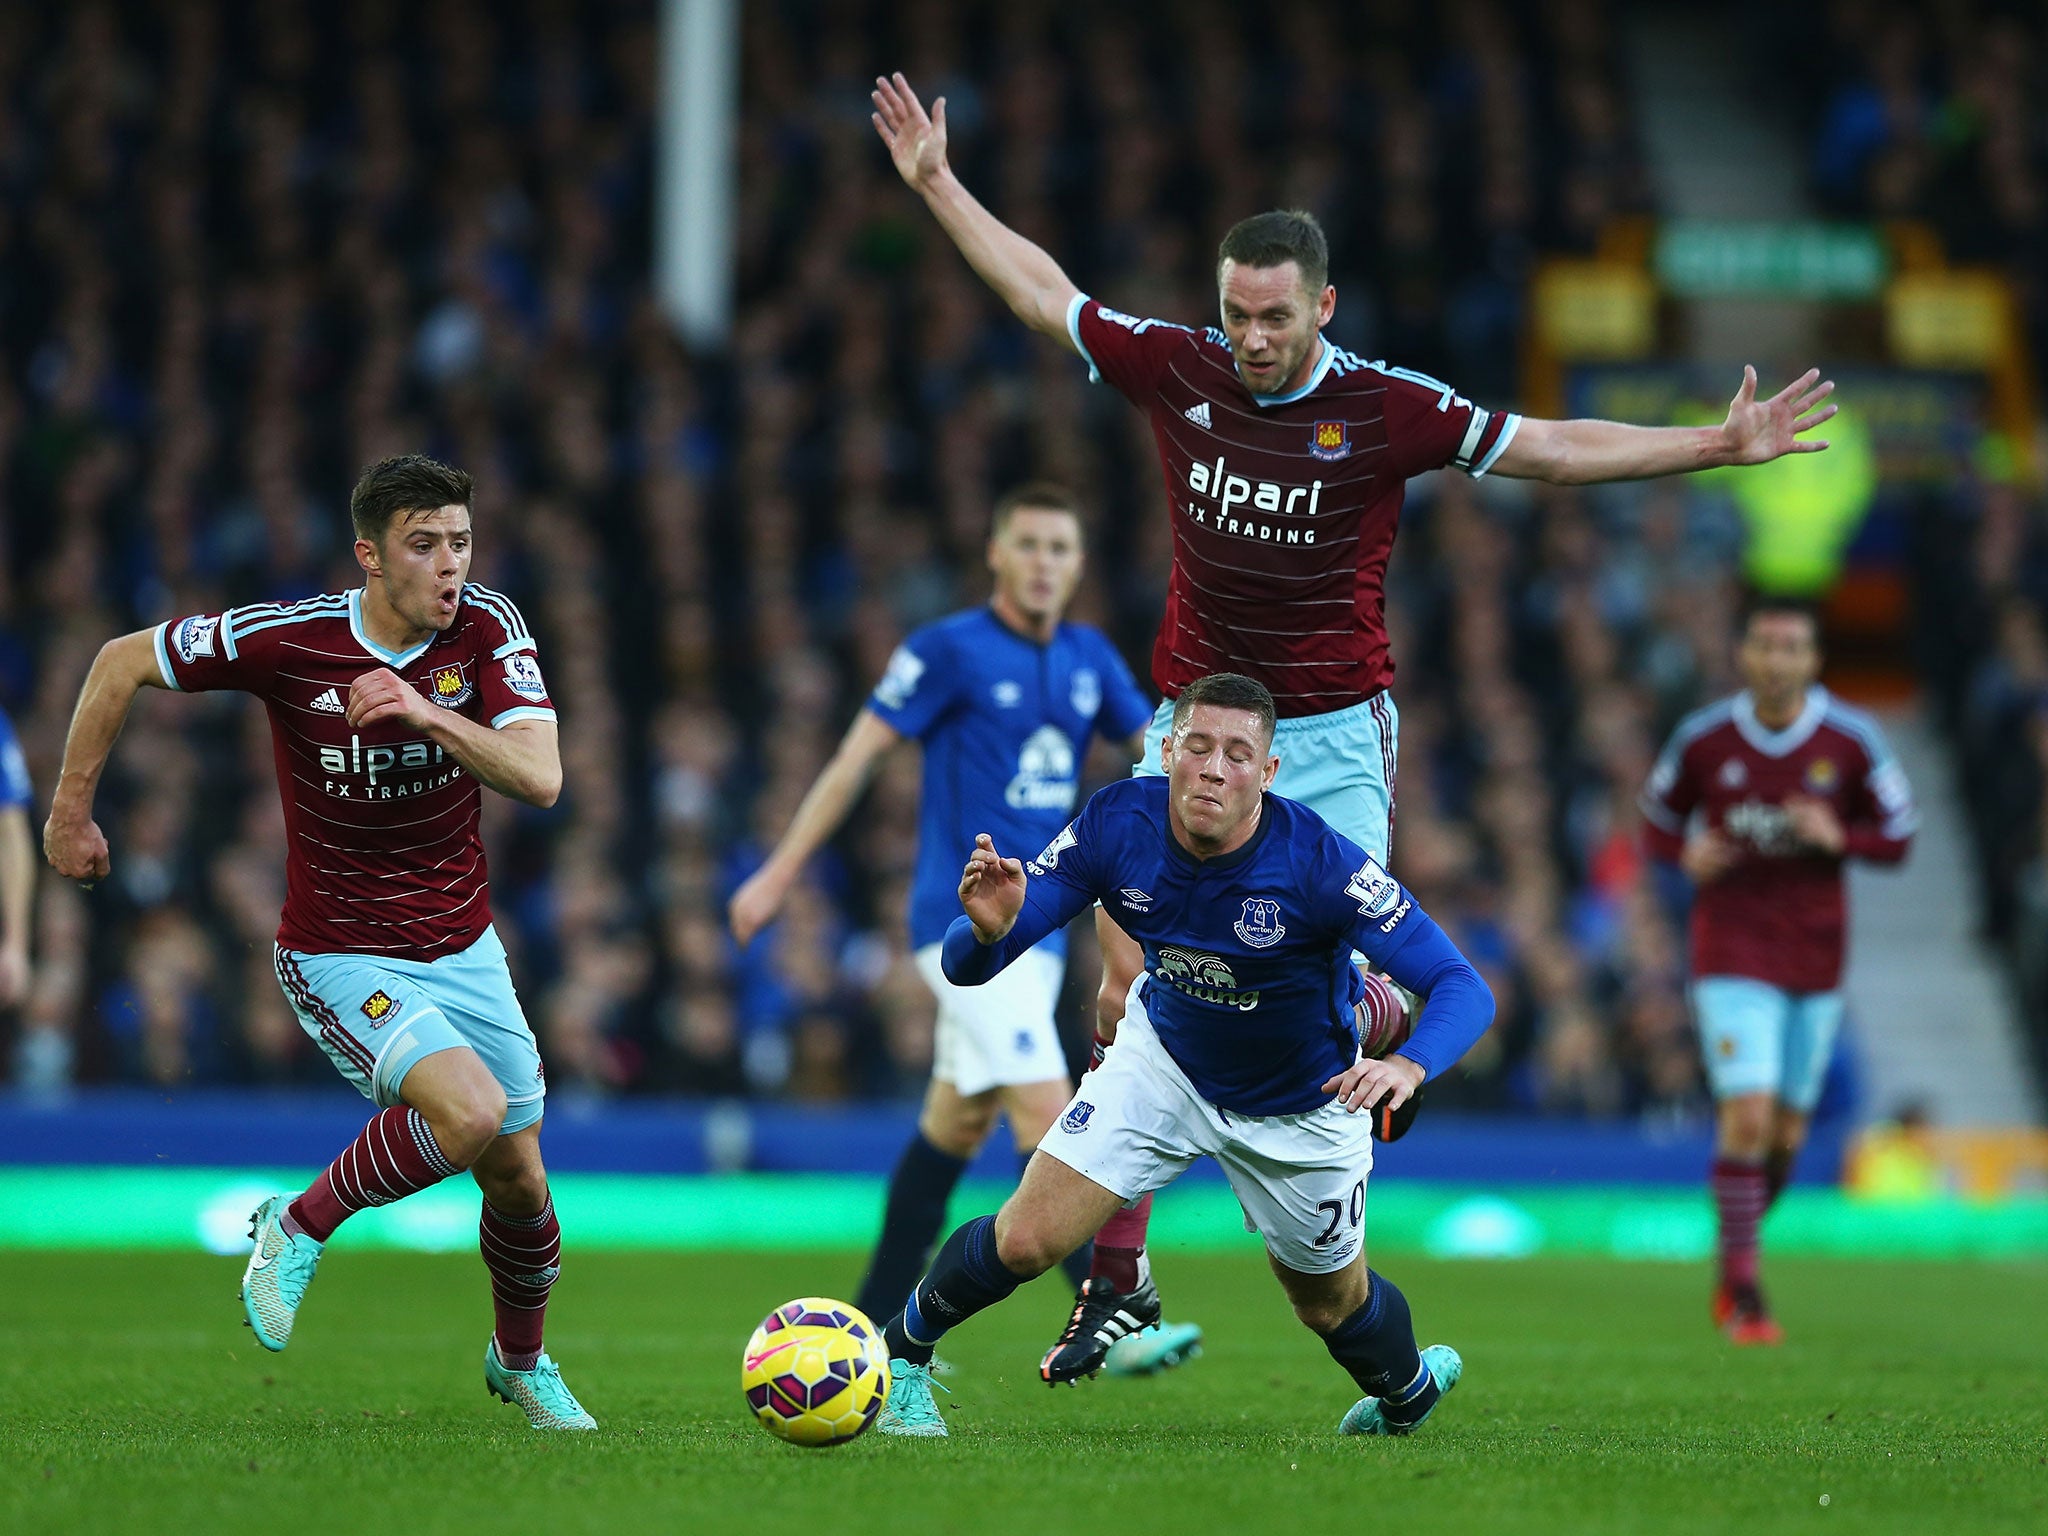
(1005, 700)
(391, 707)
(1240, 1044)
(1760, 798)
(1285, 460)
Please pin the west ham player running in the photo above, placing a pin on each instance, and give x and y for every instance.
(391, 705)
(1005, 700)
(1285, 460)
(1760, 798)
(1240, 1043)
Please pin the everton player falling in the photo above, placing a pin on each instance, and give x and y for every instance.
(391, 707)
(1760, 798)
(1239, 1042)
(1005, 700)
(1285, 460)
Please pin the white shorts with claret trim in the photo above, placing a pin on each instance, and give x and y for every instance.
(1002, 1032)
(1136, 1124)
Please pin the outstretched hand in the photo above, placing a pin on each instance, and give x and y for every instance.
(991, 890)
(917, 143)
(1758, 431)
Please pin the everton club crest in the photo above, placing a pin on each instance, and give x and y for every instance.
(1260, 926)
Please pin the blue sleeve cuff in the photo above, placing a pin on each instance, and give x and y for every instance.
(1074, 334)
(967, 961)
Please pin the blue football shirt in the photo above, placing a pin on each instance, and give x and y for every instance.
(15, 789)
(1249, 980)
(1005, 724)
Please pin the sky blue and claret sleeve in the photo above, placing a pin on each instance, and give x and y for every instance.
(1390, 928)
(1059, 885)
(917, 686)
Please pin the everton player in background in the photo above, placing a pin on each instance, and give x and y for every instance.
(1239, 1042)
(1005, 700)
(392, 707)
(1285, 460)
(1760, 799)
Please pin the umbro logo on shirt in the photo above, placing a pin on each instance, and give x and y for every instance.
(1135, 899)
(329, 703)
(1198, 414)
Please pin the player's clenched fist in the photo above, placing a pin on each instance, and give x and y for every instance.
(75, 847)
(384, 695)
(991, 890)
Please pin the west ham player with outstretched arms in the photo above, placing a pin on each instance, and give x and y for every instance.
(1285, 460)
(1240, 1043)
(1005, 700)
(392, 706)
(1760, 798)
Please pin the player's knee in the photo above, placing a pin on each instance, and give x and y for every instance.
(469, 1124)
(1027, 1246)
(959, 1132)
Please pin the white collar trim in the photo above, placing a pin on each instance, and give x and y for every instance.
(1792, 737)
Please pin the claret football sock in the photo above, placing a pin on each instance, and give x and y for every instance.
(1120, 1247)
(966, 1277)
(523, 1254)
(1076, 1266)
(918, 1191)
(1097, 1049)
(1376, 1344)
(1741, 1195)
(395, 1156)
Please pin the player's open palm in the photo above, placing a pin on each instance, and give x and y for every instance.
(1758, 431)
(917, 141)
(991, 890)
(383, 695)
(76, 848)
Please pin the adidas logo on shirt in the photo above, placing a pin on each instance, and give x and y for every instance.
(1198, 414)
(329, 703)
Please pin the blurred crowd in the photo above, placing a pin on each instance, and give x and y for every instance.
(250, 248)
(1931, 110)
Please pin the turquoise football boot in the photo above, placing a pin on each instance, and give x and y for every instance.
(911, 1409)
(1151, 1350)
(539, 1393)
(1365, 1417)
(280, 1268)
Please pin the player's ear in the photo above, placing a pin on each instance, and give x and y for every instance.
(368, 558)
(1272, 769)
(1326, 305)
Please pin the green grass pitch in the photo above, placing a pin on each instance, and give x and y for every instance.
(1596, 1399)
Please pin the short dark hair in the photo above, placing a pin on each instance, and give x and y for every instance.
(1226, 690)
(1034, 496)
(412, 482)
(1272, 239)
(1758, 604)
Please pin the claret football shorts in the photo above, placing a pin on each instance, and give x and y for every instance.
(1136, 1124)
(377, 1018)
(1339, 765)
(1003, 1032)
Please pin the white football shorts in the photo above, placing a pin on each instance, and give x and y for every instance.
(1002, 1032)
(1136, 1124)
